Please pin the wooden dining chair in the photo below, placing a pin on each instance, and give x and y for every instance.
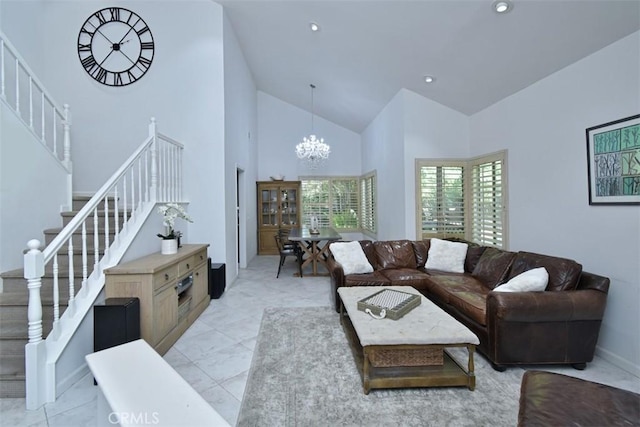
(288, 250)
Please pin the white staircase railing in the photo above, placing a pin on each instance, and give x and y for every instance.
(21, 90)
(153, 173)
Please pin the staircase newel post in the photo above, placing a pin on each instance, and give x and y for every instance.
(154, 160)
(35, 349)
(33, 272)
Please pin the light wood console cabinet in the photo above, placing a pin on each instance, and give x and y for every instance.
(173, 292)
(278, 208)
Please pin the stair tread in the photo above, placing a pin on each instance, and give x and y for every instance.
(22, 299)
(19, 274)
(100, 212)
(57, 230)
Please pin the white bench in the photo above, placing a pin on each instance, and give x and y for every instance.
(138, 387)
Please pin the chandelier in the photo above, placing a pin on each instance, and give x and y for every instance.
(312, 150)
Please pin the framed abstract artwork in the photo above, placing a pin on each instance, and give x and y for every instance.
(613, 155)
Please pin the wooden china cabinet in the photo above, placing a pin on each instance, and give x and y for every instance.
(278, 208)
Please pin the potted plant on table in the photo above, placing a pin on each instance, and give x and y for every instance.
(170, 212)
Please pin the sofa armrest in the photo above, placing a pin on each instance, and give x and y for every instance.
(550, 306)
(337, 279)
(335, 270)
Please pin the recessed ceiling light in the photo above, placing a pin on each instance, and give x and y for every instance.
(429, 79)
(502, 6)
(314, 26)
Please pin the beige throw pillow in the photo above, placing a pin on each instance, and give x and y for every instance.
(351, 256)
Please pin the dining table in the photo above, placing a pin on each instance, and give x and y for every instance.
(312, 245)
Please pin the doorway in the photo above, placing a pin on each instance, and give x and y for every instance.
(240, 222)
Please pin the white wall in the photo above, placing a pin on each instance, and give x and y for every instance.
(183, 90)
(383, 151)
(21, 21)
(281, 126)
(409, 127)
(543, 127)
(240, 154)
(24, 165)
(431, 131)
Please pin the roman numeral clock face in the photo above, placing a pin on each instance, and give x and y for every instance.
(115, 46)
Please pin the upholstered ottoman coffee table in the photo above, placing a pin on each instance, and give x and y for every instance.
(410, 351)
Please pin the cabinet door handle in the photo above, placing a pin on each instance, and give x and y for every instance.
(197, 273)
(188, 266)
(201, 257)
(166, 276)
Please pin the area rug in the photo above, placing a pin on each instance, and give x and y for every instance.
(303, 374)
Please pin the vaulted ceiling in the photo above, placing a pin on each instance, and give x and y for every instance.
(366, 51)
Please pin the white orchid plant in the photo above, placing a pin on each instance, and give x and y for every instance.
(170, 212)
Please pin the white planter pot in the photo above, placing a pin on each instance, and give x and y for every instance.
(169, 246)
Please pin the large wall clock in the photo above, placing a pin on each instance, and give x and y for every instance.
(115, 46)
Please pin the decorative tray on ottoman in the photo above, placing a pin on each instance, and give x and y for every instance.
(389, 304)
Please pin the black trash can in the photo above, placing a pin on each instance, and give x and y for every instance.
(217, 278)
(116, 322)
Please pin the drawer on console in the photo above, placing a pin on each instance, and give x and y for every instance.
(186, 265)
(163, 277)
(199, 258)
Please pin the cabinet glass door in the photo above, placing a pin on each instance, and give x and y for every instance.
(269, 209)
(288, 208)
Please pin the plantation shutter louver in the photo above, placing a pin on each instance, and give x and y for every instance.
(334, 201)
(315, 201)
(487, 204)
(367, 203)
(442, 201)
(344, 203)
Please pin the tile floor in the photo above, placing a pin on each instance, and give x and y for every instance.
(214, 354)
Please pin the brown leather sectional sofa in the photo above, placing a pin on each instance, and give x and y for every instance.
(557, 326)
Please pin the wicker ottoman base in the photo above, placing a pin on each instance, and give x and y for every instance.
(425, 356)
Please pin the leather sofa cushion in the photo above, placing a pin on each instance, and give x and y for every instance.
(564, 274)
(474, 252)
(406, 277)
(493, 266)
(443, 285)
(395, 254)
(462, 291)
(471, 303)
(369, 279)
(550, 399)
(370, 252)
(421, 251)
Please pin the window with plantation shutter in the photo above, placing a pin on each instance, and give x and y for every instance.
(442, 201)
(463, 199)
(315, 201)
(368, 202)
(334, 201)
(487, 201)
(344, 204)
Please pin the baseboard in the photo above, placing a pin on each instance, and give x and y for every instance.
(618, 361)
(73, 378)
